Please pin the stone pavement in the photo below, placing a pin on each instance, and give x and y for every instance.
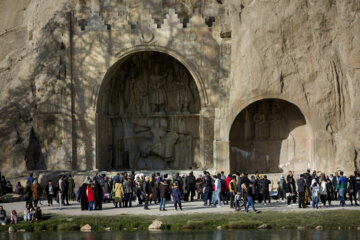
(188, 208)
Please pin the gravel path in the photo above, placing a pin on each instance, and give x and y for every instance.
(188, 208)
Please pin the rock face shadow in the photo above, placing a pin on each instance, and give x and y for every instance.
(269, 136)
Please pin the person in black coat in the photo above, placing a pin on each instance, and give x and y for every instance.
(50, 192)
(99, 195)
(164, 190)
(265, 187)
(83, 197)
(64, 190)
(190, 182)
(208, 189)
(301, 190)
(290, 191)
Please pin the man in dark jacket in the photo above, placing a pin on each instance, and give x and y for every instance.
(146, 189)
(190, 182)
(301, 189)
(179, 180)
(265, 187)
(244, 179)
(164, 190)
(127, 192)
(335, 182)
(50, 193)
(208, 189)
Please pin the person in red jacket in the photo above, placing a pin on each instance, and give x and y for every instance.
(90, 196)
(227, 190)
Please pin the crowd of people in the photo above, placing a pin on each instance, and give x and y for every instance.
(236, 190)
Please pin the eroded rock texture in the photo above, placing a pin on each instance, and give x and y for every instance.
(59, 58)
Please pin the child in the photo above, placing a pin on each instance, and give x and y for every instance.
(90, 196)
(238, 202)
(27, 213)
(50, 193)
(315, 194)
(37, 215)
(14, 217)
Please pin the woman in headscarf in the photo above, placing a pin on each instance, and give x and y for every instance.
(99, 195)
(36, 191)
(153, 184)
(119, 193)
(107, 189)
(83, 197)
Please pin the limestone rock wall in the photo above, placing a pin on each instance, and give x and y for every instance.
(306, 52)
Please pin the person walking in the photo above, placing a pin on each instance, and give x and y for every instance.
(164, 191)
(249, 195)
(146, 189)
(301, 190)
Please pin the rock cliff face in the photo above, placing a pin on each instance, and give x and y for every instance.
(56, 58)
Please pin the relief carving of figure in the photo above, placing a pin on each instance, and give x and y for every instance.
(183, 93)
(278, 125)
(138, 91)
(161, 146)
(157, 93)
(261, 125)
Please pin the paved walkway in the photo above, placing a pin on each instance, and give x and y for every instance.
(188, 208)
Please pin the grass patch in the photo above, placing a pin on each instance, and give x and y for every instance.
(329, 220)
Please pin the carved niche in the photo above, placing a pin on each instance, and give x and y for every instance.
(154, 111)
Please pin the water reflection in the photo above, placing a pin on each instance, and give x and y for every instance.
(188, 235)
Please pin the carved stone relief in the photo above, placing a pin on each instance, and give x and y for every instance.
(154, 109)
